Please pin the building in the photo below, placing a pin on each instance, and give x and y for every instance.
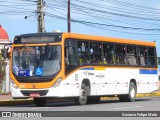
(4, 38)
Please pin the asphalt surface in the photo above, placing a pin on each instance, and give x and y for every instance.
(141, 104)
(70, 111)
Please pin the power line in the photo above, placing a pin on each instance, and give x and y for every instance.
(112, 13)
(131, 5)
(122, 9)
(93, 15)
(97, 25)
(118, 18)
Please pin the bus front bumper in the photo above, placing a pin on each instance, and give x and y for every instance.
(55, 92)
(30, 93)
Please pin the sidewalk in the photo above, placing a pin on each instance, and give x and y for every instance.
(5, 97)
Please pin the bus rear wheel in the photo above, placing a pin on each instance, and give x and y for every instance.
(82, 99)
(40, 101)
(131, 96)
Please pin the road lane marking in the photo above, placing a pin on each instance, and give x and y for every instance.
(34, 108)
(40, 108)
(127, 107)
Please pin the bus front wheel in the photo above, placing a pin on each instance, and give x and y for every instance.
(82, 99)
(40, 101)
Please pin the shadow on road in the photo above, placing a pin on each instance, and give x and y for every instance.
(71, 103)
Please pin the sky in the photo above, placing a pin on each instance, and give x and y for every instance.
(131, 19)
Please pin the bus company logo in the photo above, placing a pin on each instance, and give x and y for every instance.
(85, 73)
(90, 73)
(100, 76)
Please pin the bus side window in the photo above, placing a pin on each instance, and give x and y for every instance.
(66, 56)
(120, 54)
(70, 56)
(108, 50)
(96, 52)
(142, 55)
(131, 55)
(83, 52)
(151, 57)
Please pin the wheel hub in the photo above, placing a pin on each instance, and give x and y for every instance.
(82, 94)
(132, 92)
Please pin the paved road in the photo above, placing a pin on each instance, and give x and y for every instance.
(141, 104)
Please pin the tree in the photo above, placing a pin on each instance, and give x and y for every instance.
(2, 71)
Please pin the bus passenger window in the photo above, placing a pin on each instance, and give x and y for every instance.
(83, 52)
(66, 56)
(70, 57)
(131, 55)
(120, 54)
(151, 57)
(142, 55)
(96, 54)
(108, 50)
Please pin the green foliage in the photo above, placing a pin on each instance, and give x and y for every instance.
(2, 70)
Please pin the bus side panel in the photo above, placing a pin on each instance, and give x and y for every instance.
(147, 81)
(121, 78)
(73, 84)
(110, 81)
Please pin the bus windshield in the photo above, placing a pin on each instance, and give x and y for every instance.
(36, 60)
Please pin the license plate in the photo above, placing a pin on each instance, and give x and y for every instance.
(34, 95)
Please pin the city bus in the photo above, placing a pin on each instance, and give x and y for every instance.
(82, 67)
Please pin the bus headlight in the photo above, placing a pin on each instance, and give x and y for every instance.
(13, 84)
(57, 83)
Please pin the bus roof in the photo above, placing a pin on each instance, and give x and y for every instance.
(108, 39)
(92, 37)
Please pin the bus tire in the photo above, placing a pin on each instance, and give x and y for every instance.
(132, 93)
(82, 99)
(40, 101)
(131, 96)
(93, 100)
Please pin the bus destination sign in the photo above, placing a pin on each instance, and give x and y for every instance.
(37, 39)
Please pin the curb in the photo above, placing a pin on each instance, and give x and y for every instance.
(149, 94)
(138, 95)
(15, 102)
(30, 101)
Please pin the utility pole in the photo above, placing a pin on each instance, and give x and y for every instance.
(40, 16)
(69, 17)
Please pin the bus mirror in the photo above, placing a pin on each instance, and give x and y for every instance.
(158, 60)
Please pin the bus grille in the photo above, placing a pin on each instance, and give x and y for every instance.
(41, 92)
